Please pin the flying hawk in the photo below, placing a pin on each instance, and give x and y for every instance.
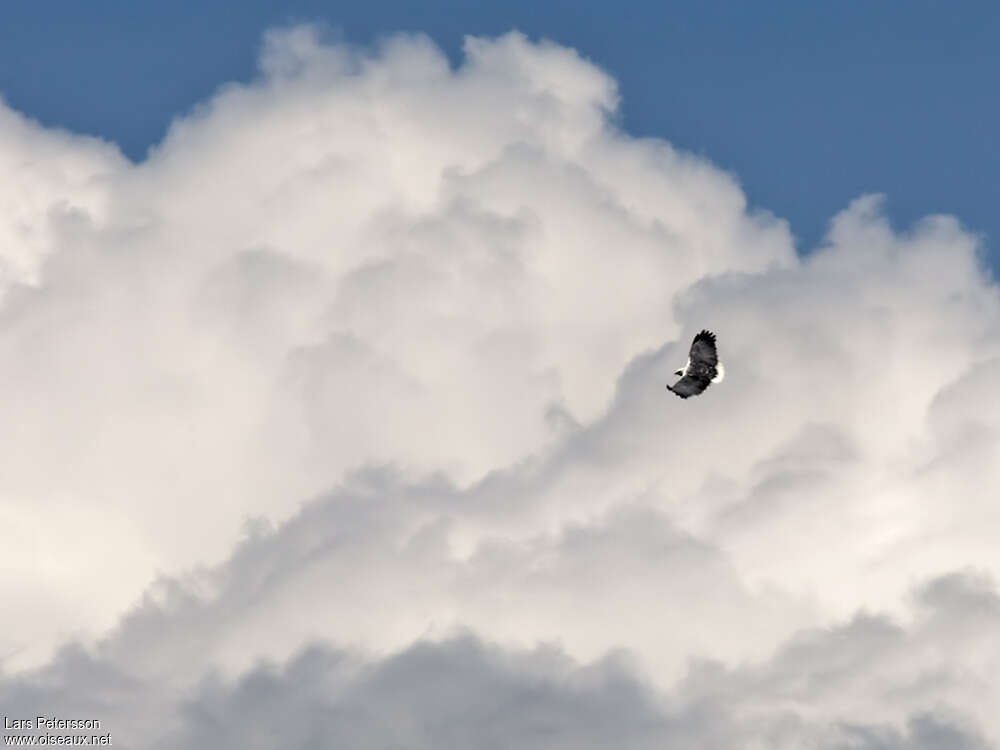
(702, 369)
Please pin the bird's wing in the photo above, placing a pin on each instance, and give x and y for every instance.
(703, 350)
(689, 385)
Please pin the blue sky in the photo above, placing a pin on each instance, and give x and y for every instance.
(809, 105)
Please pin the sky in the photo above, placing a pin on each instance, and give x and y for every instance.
(333, 351)
(809, 105)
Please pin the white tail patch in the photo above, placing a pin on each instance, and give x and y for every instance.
(720, 373)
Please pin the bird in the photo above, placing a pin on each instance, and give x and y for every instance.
(702, 369)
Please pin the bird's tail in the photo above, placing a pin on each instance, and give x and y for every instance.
(720, 373)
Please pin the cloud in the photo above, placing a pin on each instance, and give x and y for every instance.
(58, 178)
(360, 257)
(869, 682)
(355, 385)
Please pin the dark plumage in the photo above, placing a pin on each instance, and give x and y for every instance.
(703, 367)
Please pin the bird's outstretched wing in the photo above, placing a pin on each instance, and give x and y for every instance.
(690, 385)
(703, 350)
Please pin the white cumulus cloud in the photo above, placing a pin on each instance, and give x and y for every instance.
(348, 401)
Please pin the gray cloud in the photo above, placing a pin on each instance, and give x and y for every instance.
(867, 683)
